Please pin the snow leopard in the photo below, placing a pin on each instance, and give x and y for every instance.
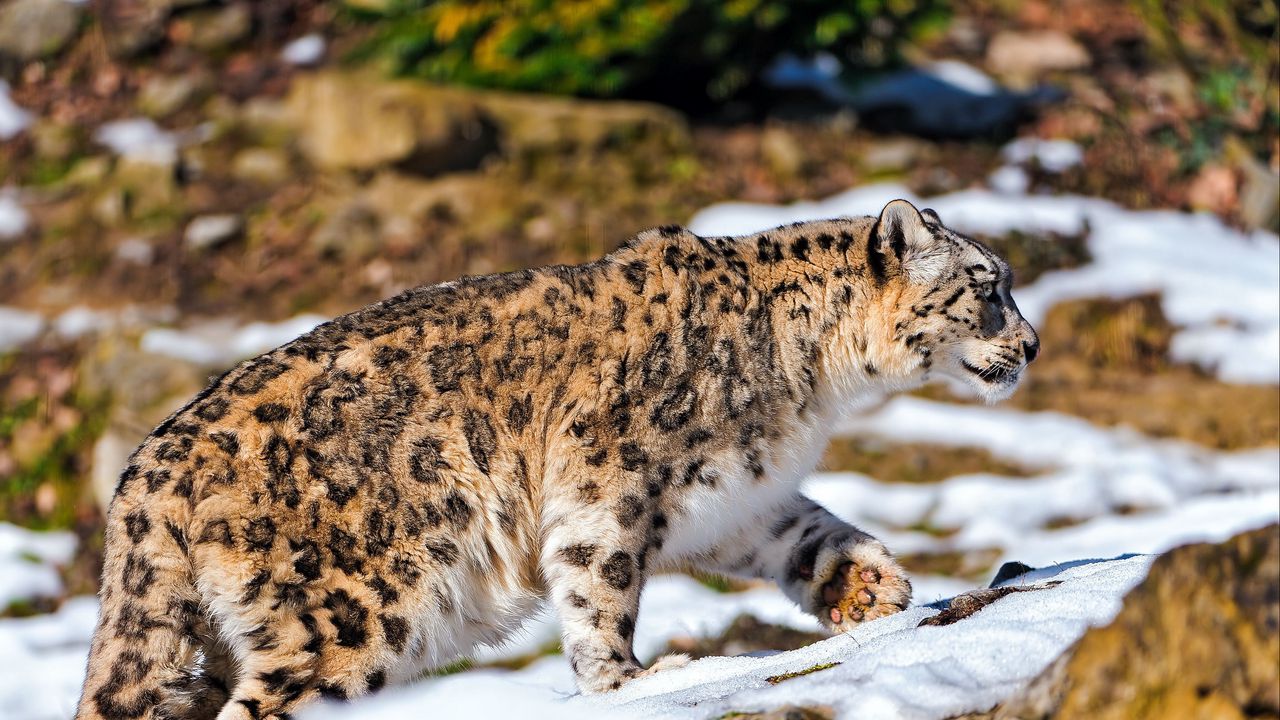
(414, 479)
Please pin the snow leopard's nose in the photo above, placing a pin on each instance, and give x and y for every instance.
(1031, 350)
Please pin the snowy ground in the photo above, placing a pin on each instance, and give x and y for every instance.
(1096, 493)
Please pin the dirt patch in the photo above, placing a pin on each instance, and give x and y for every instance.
(1107, 361)
(913, 462)
(744, 635)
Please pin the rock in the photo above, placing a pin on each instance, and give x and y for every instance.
(144, 388)
(1259, 196)
(151, 187)
(354, 231)
(781, 151)
(360, 121)
(1021, 57)
(1213, 189)
(163, 95)
(53, 140)
(32, 29)
(131, 26)
(891, 156)
(209, 231)
(219, 28)
(1197, 639)
(263, 165)
(108, 207)
(88, 172)
(357, 122)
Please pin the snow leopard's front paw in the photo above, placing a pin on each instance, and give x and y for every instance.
(860, 583)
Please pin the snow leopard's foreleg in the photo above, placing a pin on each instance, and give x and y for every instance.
(830, 568)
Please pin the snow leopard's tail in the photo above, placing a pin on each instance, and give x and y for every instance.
(141, 662)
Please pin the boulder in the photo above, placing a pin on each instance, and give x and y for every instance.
(163, 95)
(32, 29)
(1022, 57)
(1199, 638)
(131, 26)
(220, 27)
(360, 121)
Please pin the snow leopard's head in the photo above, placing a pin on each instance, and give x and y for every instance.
(949, 299)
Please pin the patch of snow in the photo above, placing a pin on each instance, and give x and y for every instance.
(140, 139)
(13, 217)
(1051, 155)
(18, 327)
(963, 76)
(80, 320)
(13, 119)
(1009, 179)
(889, 668)
(136, 251)
(306, 50)
(216, 344)
(28, 560)
(1206, 272)
(44, 660)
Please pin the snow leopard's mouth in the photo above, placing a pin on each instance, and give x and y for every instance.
(997, 373)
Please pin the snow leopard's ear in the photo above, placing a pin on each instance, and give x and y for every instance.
(931, 216)
(901, 241)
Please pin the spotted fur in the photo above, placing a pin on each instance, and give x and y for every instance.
(404, 482)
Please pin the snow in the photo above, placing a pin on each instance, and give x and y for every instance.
(13, 218)
(1051, 155)
(27, 563)
(1219, 285)
(963, 76)
(1009, 180)
(139, 138)
(221, 343)
(887, 669)
(17, 327)
(306, 50)
(1093, 492)
(13, 119)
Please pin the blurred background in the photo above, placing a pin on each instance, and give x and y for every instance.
(187, 183)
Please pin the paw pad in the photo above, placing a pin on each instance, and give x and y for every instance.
(857, 593)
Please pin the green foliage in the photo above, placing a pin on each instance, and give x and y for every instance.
(682, 51)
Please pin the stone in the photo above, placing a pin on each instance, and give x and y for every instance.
(133, 26)
(54, 140)
(781, 151)
(151, 188)
(360, 121)
(88, 172)
(33, 29)
(261, 165)
(891, 156)
(1259, 194)
(1197, 639)
(210, 231)
(163, 95)
(1022, 57)
(219, 28)
(355, 230)
(357, 122)
(1213, 189)
(144, 389)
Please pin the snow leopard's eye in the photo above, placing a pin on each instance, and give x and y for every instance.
(988, 290)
